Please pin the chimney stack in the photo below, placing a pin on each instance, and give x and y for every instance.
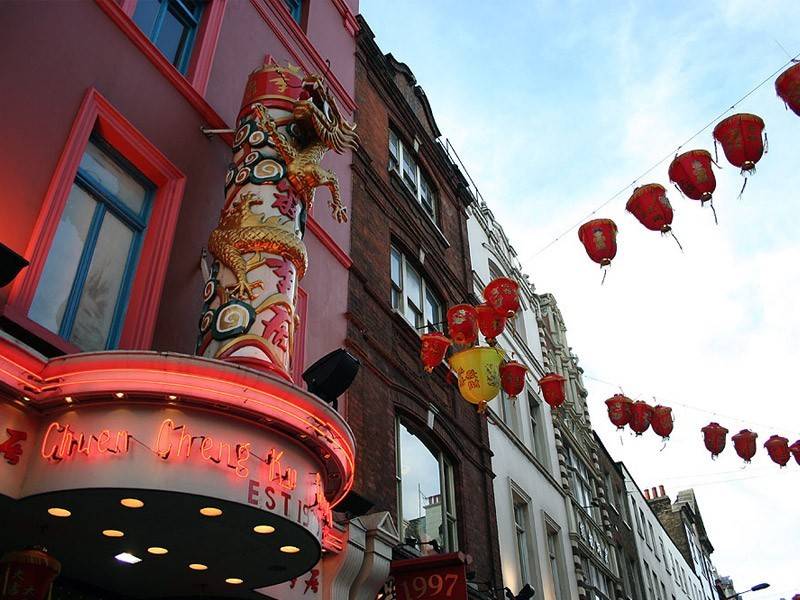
(654, 493)
(661, 490)
(646, 494)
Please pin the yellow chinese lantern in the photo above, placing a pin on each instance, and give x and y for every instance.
(478, 371)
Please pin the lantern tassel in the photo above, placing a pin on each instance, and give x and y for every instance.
(711, 203)
(766, 143)
(743, 187)
(665, 444)
(679, 190)
(672, 233)
(716, 154)
(605, 272)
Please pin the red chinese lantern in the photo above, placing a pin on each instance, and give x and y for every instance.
(490, 322)
(641, 414)
(745, 444)
(714, 438)
(691, 172)
(742, 140)
(552, 386)
(512, 378)
(599, 237)
(650, 206)
(462, 321)
(27, 574)
(661, 421)
(619, 410)
(778, 449)
(795, 450)
(502, 294)
(788, 88)
(434, 348)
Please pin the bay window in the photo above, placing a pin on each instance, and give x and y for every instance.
(412, 297)
(405, 164)
(425, 493)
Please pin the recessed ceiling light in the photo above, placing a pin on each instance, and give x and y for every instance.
(68, 399)
(263, 529)
(290, 549)
(131, 503)
(197, 567)
(120, 394)
(26, 399)
(59, 512)
(157, 550)
(172, 397)
(127, 557)
(234, 580)
(113, 533)
(210, 511)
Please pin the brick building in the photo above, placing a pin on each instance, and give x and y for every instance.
(428, 460)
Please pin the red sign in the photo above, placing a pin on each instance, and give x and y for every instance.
(11, 449)
(441, 577)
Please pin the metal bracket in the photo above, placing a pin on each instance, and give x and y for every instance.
(209, 133)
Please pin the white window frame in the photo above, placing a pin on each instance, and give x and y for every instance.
(555, 554)
(520, 510)
(397, 163)
(399, 296)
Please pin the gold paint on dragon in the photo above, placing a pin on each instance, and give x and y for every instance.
(320, 122)
(241, 231)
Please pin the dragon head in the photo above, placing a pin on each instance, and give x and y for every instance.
(318, 114)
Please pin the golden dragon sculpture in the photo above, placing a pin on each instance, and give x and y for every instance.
(321, 128)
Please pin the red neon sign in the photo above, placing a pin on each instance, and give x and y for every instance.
(61, 442)
(441, 577)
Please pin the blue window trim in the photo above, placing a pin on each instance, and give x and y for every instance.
(189, 18)
(295, 8)
(107, 202)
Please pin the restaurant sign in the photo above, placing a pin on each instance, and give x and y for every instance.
(440, 577)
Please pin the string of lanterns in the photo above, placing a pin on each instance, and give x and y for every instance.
(744, 142)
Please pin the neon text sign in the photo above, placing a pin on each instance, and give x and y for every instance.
(61, 442)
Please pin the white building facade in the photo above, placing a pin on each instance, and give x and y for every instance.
(666, 575)
(532, 522)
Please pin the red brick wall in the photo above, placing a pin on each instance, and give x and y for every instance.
(391, 382)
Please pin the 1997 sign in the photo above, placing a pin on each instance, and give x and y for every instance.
(426, 579)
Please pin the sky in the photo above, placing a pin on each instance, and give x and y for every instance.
(555, 106)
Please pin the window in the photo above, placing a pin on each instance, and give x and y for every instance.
(664, 554)
(295, 8)
(83, 292)
(663, 591)
(633, 579)
(509, 411)
(651, 538)
(521, 521)
(401, 160)
(537, 433)
(411, 295)
(582, 484)
(553, 550)
(650, 593)
(171, 25)
(641, 524)
(426, 504)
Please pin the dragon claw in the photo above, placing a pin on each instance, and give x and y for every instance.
(244, 288)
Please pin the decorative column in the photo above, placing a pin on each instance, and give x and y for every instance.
(285, 126)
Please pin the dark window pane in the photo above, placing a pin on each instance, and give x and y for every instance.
(97, 166)
(172, 37)
(145, 15)
(295, 9)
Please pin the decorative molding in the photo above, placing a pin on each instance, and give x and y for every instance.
(348, 18)
(116, 13)
(206, 45)
(301, 39)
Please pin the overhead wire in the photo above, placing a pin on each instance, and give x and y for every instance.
(669, 155)
(747, 421)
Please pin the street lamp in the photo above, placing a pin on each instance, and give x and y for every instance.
(755, 588)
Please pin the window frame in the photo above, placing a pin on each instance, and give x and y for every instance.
(97, 115)
(191, 20)
(106, 202)
(560, 578)
(522, 533)
(421, 325)
(420, 175)
(446, 485)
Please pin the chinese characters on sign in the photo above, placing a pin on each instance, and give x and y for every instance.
(11, 448)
